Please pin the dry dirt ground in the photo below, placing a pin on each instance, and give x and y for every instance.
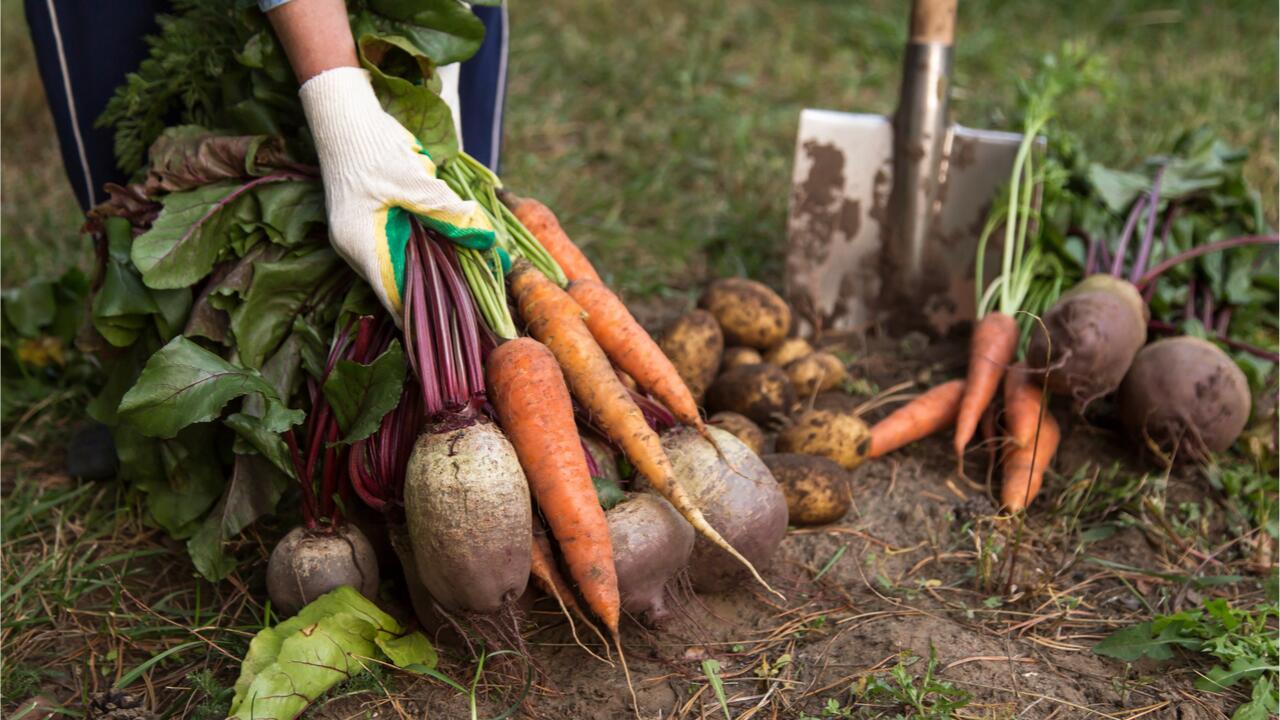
(921, 565)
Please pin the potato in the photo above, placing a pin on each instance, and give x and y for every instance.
(749, 312)
(758, 391)
(735, 356)
(815, 373)
(841, 437)
(817, 489)
(787, 351)
(741, 427)
(694, 344)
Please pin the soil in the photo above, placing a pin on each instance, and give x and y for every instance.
(900, 578)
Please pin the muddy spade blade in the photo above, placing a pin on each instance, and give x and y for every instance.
(886, 212)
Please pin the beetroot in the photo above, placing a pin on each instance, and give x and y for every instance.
(467, 509)
(651, 544)
(308, 563)
(738, 496)
(1094, 331)
(1186, 396)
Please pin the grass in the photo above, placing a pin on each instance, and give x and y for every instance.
(664, 135)
(93, 599)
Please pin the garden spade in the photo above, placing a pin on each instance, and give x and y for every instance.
(886, 211)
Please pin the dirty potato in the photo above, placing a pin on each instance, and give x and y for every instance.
(815, 373)
(817, 489)
(694, 344)
(787, 351)
(749, 312)
(741, 427)
(735, 356)
(841, 437)
(758, 391)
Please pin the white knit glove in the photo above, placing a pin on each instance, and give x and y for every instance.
(371, 165)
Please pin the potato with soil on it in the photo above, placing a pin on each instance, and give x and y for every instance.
(841, 437)
(760, 392)
(309, 562)
(787, 351)
(735, 356)
(741, 427)
(651, 545)
(1185, 395)
(739, 497)
(817, 490)
(749, 312)
(694, 344)
(815, 373)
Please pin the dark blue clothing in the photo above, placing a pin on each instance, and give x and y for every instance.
(85, 48)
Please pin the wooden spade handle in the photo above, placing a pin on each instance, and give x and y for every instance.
(933, 21)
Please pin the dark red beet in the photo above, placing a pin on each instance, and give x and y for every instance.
(1094, 331)
(1185, 395)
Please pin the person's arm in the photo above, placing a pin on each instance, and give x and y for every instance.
(315, 36)
(369, 163)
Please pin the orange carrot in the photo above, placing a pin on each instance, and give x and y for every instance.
(542, 566)
(554, 318)
(633, 350)
(533, 406)
(1033, 436)
(991, 349)
(920, 418)
(545, 228)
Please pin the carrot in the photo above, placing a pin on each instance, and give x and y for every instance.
(991, 349)
(542, 223)
(542, 566)
(920, 418)
(533, 406)
(633, 351)
(554, 318)
(1034, 436)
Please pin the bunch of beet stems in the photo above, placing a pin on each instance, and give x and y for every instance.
(321, 459)
(446, 345)
(1201, 305)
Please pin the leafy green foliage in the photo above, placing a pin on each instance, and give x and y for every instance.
(1244, 642)
(218, 65)
(926, 697)
(607, 491)
(329, 641)
(38, 357)
(183, 384)
(361, 394)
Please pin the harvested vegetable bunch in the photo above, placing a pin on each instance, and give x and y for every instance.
(216, 265)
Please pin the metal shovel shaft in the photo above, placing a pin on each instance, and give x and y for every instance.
(919, 139)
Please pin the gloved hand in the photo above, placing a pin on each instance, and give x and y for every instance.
(371, 165)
